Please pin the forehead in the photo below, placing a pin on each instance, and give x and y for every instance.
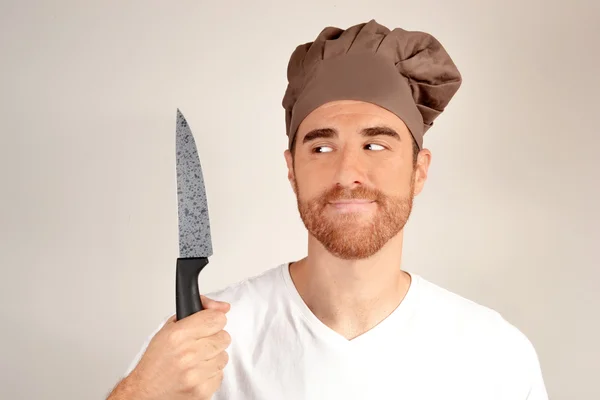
(350, 115)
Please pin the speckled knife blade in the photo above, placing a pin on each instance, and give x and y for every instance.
(194, 224)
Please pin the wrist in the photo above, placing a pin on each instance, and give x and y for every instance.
(130, 389)
(135, 388)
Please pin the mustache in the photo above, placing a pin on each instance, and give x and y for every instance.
(345, 193)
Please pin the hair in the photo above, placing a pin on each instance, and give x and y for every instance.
(415, 149)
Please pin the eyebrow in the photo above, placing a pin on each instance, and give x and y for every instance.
(328, 133)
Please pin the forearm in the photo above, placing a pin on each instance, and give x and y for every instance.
(127, 389)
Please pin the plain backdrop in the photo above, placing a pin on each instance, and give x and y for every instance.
(88, 217)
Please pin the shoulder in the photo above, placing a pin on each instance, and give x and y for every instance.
(260, 287)
(439, 305)
(476, 329)
(463, 322)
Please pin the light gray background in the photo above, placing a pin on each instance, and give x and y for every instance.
(88, 223)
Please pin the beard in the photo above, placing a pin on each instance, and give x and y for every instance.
(350, 236)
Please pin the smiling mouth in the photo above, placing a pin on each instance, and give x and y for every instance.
(353, 205)
(351, 201)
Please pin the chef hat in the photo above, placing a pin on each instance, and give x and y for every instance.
(406, 72)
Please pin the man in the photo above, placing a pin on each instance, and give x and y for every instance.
(346, 322)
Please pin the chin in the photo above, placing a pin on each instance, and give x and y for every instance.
(352, 253)
(350, 217)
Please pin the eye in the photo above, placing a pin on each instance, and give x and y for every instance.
(322, 149)
(375, 146)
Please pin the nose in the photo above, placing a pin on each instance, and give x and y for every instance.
(350, 169)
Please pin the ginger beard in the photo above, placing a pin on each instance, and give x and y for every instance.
(352, 236)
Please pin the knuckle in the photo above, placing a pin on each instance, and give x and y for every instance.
(215, 347)
(203, 389)
(208, 318)
(223, 360)
(226, 337)
(189, 381)
(206, 347)
(216, 318)
(186, 360)
(175, 337)
(219, 319)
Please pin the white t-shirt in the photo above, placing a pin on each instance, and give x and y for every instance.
(435, 345)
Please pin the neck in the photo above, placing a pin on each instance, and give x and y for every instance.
(351, 296)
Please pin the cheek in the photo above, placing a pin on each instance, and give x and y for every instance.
(392, 179)
(311, 184)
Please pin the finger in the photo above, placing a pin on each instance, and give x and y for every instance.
(172, 319)
(214, 382)
(202, 324)
(214, 304)
(209, 386)
(218, 363)
(169, 322)
(211, 346)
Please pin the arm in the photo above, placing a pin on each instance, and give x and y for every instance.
(126, 389)
(537, 387)
(537, 390)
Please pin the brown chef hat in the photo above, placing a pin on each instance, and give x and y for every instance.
(406, 72)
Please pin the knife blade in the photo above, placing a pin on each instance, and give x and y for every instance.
(195, 243)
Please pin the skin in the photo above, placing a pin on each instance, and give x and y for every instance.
(351, 278)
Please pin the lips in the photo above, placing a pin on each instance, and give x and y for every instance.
(357, 201)
(354, 205)
(352, 201)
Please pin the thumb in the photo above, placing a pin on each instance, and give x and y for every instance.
(214, 304)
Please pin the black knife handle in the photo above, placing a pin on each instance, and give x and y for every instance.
(187, 294)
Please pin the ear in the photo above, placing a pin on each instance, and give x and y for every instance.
(422, 169)
(290, 166)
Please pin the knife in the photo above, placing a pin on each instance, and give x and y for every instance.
(195, 244)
